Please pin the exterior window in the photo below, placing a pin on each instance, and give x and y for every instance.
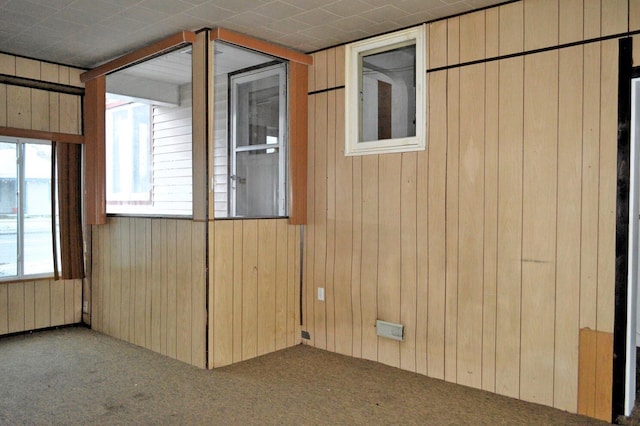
(250, 159)
(128, 154)
(385, 94)
(26, 248)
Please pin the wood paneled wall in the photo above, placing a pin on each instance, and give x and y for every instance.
(255, 288)
(31, 305)
(495, 246)
(149, 285)
(35, 109)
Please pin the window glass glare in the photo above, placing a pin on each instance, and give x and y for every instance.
(8, 210)
(128, 153)
(388, 94)
(26, 247)
(38, 247)
(256, 182)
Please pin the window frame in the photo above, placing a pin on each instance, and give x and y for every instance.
(20, 210)
(279, 69)
(353, 80)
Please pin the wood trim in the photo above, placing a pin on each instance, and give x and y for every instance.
(170, 42)
(200, 105)
(41, 134)
(595, 374)
(95, 165)
(260, 46)
(298, 107)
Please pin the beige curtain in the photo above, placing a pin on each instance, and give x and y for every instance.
(68, 162)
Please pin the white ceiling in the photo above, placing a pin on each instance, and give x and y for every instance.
(86, 33)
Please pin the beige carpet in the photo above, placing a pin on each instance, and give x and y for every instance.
(77, 376)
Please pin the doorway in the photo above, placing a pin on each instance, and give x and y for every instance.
(633, 319)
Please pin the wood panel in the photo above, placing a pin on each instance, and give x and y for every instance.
(25, 108)
(331, 208)
(452, 209)
(320, 203)
(344, 234)
(33, 305)
(253, 287)
(513, 203)
(150, 285)
(436, 233)
(595, 378)
(471, 194)
(389, 273)
(538, 222)
(540, 24)
(590, 185)
(568, 239)
(407, 258)
(607, 178)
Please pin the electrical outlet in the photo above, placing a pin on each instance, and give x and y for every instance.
(321, 293)
(85, 307)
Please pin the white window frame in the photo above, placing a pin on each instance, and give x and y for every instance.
(21, 178)
(280, 70)
(353, 77)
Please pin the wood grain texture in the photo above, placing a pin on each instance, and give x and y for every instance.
(151, 285)
(568, 239)
(538, 221)
(595, 374)
(389, 254)
(436, 214)
(254, 282)
(32, 305)
(471, 196)
(540, 24)
(590, 186)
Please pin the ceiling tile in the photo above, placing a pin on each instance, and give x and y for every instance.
(167, 6)
(144, 15)
(96, 7)
(316, 16)
(346, 8)
(88, 32)
(209, 12)
(384, 14)
(277, 10)
(28, 8)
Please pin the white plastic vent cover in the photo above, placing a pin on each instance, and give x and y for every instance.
(390, 330)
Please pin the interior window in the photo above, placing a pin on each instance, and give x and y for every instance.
(250, 136)
(385, 94)
(149, 137)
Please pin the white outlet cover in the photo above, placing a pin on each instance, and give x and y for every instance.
(321, 293)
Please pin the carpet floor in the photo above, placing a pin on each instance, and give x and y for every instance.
(77, 376)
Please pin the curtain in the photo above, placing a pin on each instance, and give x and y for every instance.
(68, 162)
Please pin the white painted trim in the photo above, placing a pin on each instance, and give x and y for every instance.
(634, 252)
(352, 77)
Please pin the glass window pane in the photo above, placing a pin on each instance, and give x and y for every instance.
(256, 183)
(388, 94)
(258, 111)
(38, 247)
(8, 210)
